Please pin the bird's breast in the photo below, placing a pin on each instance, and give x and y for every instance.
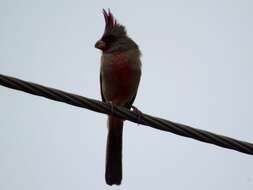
(121, 69)
(120, 78)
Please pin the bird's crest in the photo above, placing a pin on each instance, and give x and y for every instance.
(110, 21)
(112, 27)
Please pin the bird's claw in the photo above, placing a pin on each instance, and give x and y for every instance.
(138, 112)
(112, 107)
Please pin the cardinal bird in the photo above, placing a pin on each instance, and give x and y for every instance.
(120, 73)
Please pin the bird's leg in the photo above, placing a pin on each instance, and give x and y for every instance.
(138, 112)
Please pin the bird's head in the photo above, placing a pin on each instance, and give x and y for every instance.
(115, 37)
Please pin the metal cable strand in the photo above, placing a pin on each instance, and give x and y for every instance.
(144, 119)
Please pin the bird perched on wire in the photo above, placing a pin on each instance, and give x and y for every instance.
(120, 74)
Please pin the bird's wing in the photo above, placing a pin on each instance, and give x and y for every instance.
(101, 92)
(129, 104)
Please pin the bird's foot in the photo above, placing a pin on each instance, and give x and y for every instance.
(138, 112)
(112, 107)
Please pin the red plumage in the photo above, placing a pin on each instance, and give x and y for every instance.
(110, 21)
(120, 74)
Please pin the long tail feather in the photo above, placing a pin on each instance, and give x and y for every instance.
(113, 171)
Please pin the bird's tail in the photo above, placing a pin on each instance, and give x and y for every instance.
(113, 170)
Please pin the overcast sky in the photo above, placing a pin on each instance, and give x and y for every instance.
(197, 69)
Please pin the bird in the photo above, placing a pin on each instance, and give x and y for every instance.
(120, 73)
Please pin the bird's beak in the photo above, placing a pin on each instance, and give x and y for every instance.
(100, 44)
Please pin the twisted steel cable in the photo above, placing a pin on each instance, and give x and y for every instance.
(144, 119)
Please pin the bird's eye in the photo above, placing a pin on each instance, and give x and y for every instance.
(108, 38)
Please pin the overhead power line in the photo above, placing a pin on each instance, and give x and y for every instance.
(144, 119)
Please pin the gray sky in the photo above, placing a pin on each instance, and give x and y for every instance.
(197, 69)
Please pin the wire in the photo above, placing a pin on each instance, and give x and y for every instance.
(144, 119)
